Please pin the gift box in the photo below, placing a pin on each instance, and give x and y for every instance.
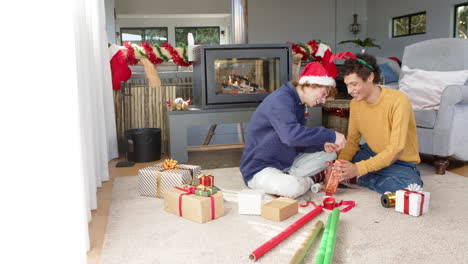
(413, 203)
(280, 209)
(331, 180)
(206, 179)
(155, 180)
(182, 201)
(206, 190)
(250, 202)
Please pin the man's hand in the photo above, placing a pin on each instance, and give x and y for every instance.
(340, 140)
(331, 147)
(345, 169)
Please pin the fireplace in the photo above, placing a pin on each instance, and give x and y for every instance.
(239, 75)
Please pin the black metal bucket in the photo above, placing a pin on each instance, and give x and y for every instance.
(143, 144)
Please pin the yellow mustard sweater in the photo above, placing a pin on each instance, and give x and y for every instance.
(388, 127)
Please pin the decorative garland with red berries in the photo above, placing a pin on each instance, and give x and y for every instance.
(307, 51)
(156, 54)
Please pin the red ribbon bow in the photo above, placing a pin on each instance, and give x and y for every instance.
(191, 190)
(406, 202)
(330, 204)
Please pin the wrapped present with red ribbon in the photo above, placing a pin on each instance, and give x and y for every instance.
(331, 180)
(203, 190)
(206, 179)
(412, 201)
(183, 202)
(156, 179)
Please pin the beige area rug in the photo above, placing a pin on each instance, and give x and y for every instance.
(140, 231)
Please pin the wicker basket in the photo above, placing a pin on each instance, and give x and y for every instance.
(335, 114)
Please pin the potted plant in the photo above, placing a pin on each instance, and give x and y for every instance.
(364, 44)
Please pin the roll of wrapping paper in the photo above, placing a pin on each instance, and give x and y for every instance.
(388, 200)
(302, 251)
(316, 188)
(327, 245)
(259, 252)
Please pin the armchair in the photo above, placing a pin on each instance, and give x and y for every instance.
(442, 132)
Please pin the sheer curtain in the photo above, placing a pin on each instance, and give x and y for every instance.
(58, 127)
(97, 119)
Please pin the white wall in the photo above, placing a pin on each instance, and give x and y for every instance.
(145, 7)
(110, 20)
(278, 21)
(439, 22)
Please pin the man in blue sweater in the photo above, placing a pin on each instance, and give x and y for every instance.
(281, 153)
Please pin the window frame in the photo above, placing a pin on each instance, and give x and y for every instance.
(144, 29)
(409, 24)
(218, 27)
(455, 17)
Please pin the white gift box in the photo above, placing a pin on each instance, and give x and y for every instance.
(411, 202)
(250, 202)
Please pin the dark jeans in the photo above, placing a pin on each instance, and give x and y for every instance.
(389, 179)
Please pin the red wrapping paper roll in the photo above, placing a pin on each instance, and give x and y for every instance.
(259, 252)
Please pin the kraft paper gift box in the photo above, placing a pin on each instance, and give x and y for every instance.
(155, 180)
(199, 209)
(280, 209)
(250, 202)
(412, 202)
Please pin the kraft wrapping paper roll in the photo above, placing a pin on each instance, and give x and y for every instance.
(259, 252)
(302, 251)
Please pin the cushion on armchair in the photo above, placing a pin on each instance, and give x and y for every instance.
(424, 88)
(389, 75)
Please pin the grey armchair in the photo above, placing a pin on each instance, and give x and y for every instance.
(442, 133)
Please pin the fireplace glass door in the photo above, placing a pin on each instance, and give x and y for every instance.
(244, 75)
(247, 75)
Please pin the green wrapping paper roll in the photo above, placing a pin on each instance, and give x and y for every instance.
(327, 245)
(332, 237)
(302, 251)
(323, 244)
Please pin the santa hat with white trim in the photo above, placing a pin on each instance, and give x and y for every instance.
(323, 73)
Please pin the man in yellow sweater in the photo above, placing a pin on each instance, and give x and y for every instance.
(385, 120)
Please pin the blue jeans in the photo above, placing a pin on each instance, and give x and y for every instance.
(389, 179)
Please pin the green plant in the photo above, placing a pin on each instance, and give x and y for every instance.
(366, 43)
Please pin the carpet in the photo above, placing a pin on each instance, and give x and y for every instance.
(140, 231)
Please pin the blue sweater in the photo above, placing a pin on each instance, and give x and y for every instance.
(276, 134)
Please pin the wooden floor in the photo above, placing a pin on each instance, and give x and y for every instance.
(209, 160)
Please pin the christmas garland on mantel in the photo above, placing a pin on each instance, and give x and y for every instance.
(311, 51)
(156, 54)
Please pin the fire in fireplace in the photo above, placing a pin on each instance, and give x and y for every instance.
(239, 75)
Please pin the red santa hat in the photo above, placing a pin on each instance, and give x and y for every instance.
(323, 73)
(119, 67)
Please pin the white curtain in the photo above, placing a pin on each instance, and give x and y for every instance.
(58, 127)
(98, 131)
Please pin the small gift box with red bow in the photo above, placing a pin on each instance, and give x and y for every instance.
(155, 180)
(412, 201)
(182, 201)
(206, 179)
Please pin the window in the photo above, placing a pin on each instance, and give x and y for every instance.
(201, 35)
(407, 25)
(461, 21)
(138, 35)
